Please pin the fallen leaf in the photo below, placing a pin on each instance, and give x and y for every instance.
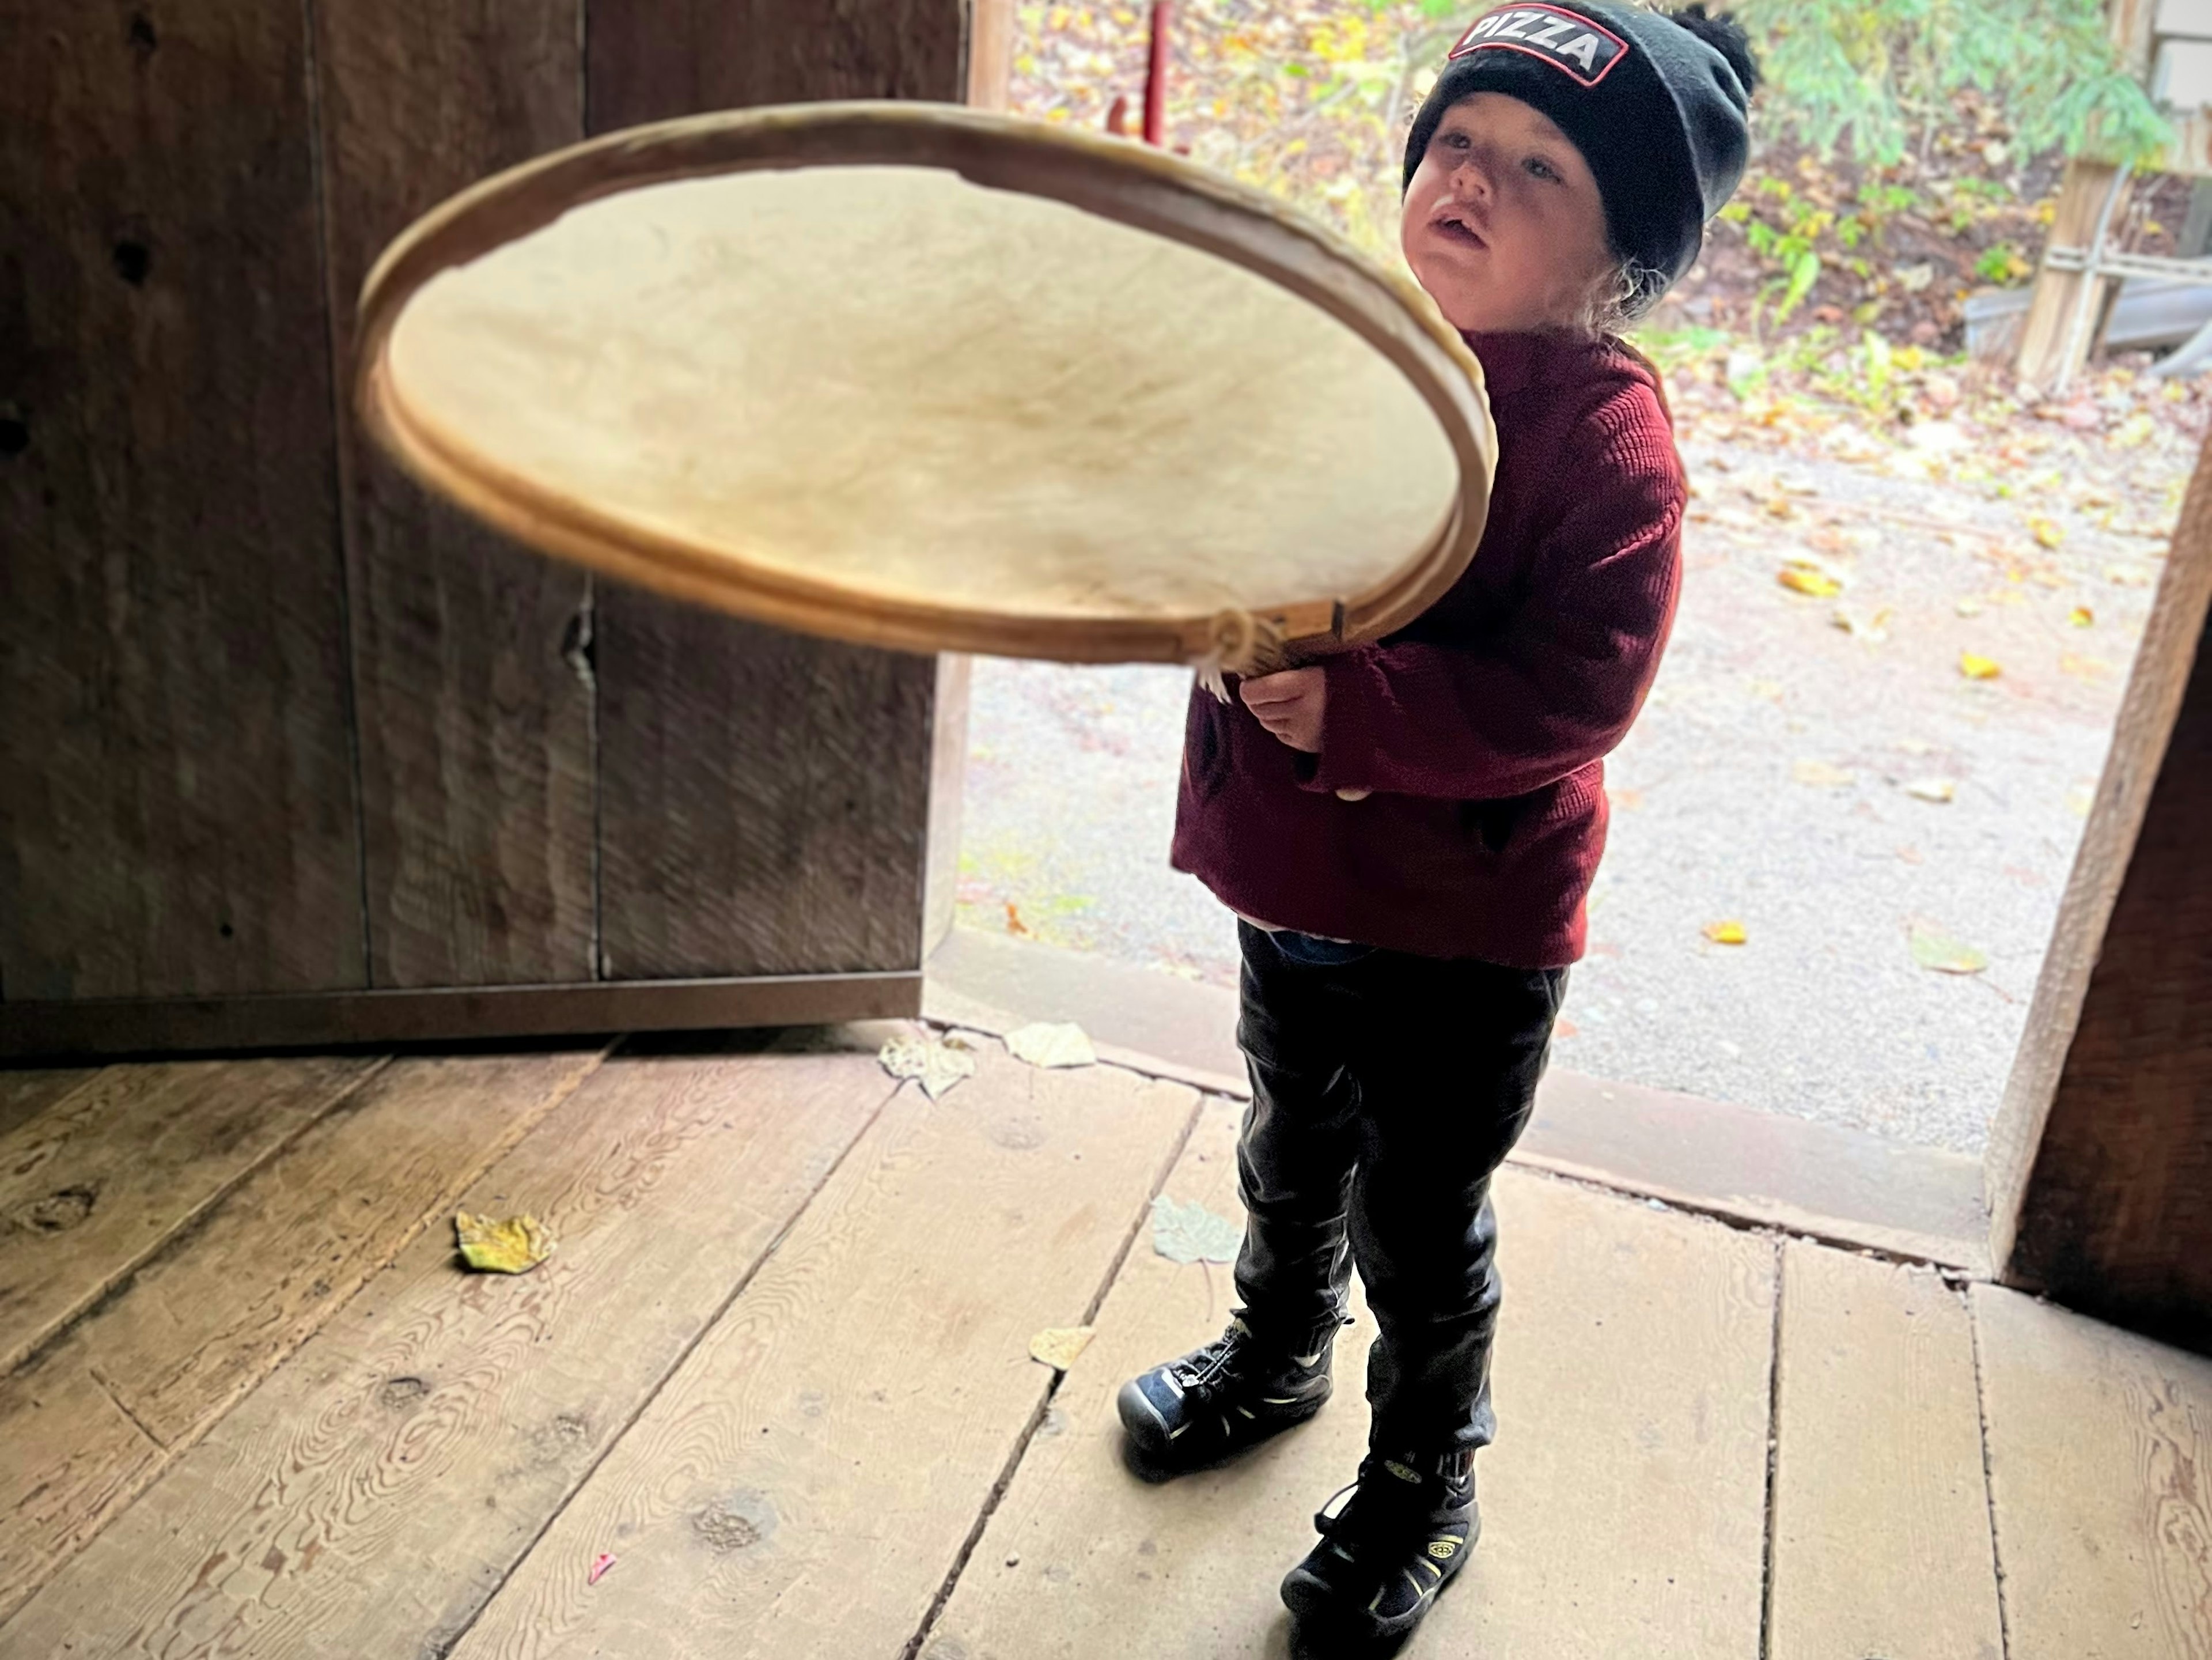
(1042, 1043)
(2081, 616)
(1943, 954)
(2079, 799)
(1821, 775)
(1977, 668)
(515, 1245)
(600, 1563)
(1014, 923)
(1874, 630)
(1058, 1346)
(1192, 1233)
(2127, 576)
(938, 1065)
(2046, 534)
(1729, 932)
(1933, 789)
(1970, 608)
(1817, 584)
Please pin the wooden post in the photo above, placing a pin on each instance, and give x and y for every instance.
(2055, 341)
(2100, 1168)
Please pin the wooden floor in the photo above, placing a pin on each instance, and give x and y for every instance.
(778, 1371)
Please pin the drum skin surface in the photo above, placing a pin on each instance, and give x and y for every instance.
(923, 377)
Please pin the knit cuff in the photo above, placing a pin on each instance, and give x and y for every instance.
(1346, 761)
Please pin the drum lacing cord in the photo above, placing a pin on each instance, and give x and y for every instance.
(1242, 644)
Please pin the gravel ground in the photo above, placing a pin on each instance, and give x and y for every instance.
(1766, 783)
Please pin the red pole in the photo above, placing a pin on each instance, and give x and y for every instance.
(1155, 77)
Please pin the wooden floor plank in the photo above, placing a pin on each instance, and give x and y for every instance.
(1882, 1517)
(26, 1091)
(1624, 1503)
(92, 1188)
(805, 1481)
(198, 1325)
(369, 1496)
(2100, 1478)
(1081, 1558)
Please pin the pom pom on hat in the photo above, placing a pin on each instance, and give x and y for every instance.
(1720, 31)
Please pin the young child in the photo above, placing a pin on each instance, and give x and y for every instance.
(1408, 831)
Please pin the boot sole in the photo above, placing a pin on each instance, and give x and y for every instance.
(1158, 1454)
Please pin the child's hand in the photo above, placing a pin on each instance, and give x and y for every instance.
(1290, 705)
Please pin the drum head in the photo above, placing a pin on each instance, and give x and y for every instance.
(924, 377)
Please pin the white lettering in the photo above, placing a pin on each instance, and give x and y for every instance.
(1583, 51)
(1549, 35)
(1488, 24)
(1517, 28)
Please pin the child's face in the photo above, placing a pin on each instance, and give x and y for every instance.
(1502, 223)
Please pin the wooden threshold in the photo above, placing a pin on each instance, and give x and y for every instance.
(1844, 1186)
(150, 1025)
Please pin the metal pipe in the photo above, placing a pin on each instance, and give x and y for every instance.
(1155, 77)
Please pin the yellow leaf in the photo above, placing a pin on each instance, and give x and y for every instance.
(1820, 775)
(2046, 534)
(515, 1245)
(1976, 667)
(1938, 952)
(1933, 789)
(1817, 584)
(1970, 607)
(1729, 932)
(2081, 616)
(1058, 1346)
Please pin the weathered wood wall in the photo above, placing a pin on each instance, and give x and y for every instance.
(178, 812)
(273, 721)
(2100, 1163)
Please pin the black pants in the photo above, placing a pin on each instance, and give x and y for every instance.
(1386, 1090)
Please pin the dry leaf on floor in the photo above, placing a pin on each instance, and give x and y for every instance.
(1970, 607)
(1816, 583)
(1192, 1233)
(2081, 616)
(1821, 775)
(2127, 576)
(1730, 932)
(1043, 1043)
(1977, 668)
(2046, 534)
(1943, 954)
(940, 1066)
(1058, 1346)
(1933, 789)
(1014, 923)
(1874, 630)
(600, 1563)
(515, 1245)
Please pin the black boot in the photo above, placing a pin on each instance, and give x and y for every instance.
(1402, 1537)
(1217, 1401)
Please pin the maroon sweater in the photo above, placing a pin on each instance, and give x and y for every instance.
(1480, 727)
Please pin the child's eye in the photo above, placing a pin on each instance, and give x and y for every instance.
(1543, 169)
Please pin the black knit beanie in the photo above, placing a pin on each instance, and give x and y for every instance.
(1657, 103)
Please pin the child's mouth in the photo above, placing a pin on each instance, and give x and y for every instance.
(1452, 229)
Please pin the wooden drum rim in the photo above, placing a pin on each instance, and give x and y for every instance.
(1148, 190)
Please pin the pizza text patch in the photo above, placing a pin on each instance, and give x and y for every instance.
(1568, 42)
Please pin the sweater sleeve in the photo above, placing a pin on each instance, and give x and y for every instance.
(1559, 685)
